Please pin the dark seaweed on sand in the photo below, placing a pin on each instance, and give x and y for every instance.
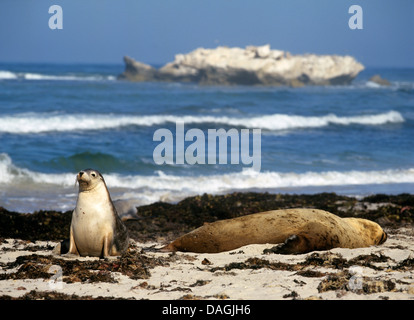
(164, 221)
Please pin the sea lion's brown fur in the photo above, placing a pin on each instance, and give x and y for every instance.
(300, 231)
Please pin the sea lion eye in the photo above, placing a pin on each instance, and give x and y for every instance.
(93, 175)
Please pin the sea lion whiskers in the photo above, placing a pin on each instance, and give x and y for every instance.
(87, 180)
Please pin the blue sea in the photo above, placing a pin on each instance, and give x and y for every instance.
(55, 120)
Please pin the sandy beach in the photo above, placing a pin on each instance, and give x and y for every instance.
(29, 269)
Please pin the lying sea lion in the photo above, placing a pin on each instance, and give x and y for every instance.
(298, 230)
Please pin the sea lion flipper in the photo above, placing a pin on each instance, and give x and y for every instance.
(107, 244)
(294, 244)
(169, 248)
(73, 250)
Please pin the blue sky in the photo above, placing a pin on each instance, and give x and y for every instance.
(153, 31)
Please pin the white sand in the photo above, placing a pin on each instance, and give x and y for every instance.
(188, 276)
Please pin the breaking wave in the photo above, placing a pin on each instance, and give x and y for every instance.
(8, 75)
(25, 190)
(246, 179)
(37, 123)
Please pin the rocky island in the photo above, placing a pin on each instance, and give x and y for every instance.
(250, 66)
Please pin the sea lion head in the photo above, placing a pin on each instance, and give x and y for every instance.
(370, 229)
(89, 179)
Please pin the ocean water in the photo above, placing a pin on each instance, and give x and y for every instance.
(58, 119)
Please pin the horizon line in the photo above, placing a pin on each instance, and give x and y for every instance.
(153, 64)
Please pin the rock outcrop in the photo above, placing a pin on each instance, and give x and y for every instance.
(249, 66)
(380, 81)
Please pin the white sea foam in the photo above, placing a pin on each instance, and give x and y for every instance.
(36, 123)
(250, 179)
(247, 179)
(10, 174)
(371, 84)
(57, 191)
(8, 75)
(36, 76)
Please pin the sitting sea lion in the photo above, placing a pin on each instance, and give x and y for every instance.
(96, 229)
(299, 230)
